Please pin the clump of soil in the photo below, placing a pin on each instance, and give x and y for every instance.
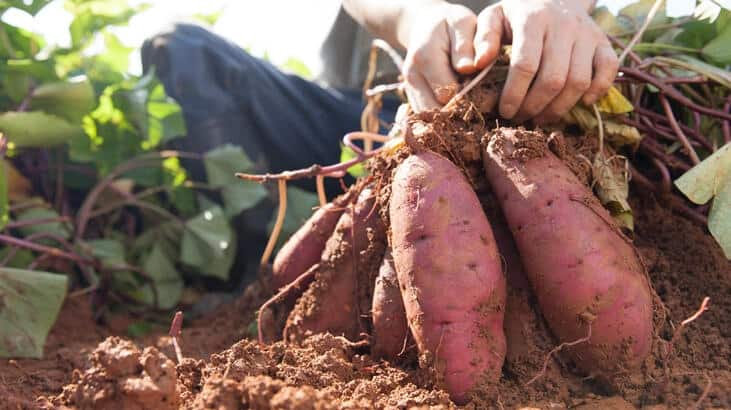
(120, 376)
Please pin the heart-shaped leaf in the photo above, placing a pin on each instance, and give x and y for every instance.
(29, 304)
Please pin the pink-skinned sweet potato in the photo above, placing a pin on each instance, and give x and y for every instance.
(304, 248)
(334, 302)
(587, 277)
(390, 328)
(450, 274)
(527, 337)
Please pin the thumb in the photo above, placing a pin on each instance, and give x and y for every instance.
(488, 36)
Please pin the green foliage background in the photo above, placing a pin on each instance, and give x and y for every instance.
(102, 132)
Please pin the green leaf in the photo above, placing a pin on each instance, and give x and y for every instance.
(696, 34)
(224, 162)
(68, 100)
(16, 85)
(607, 21)
(689, 63)
(704, 180)
(719, 218)
(90, 16)
(240, 196)
(300, 204)
(712, 179)
(22, 258)
(4, 201)
(165, 117)
(221, 166)
(346, 154)
(109, 251)
(635, 14)
(37, 129)
(31, 7)
(116, 55)
(165, 276)
(207, 243)
(39, 70)
(57, 228)
(16, 42)
(718, 50)
(29, 304)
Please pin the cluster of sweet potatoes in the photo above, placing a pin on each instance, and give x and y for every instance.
(429, 267)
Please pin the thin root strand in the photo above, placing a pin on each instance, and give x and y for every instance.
(556, 350)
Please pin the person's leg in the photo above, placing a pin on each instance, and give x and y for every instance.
(281, 121)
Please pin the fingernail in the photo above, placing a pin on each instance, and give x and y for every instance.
(589, 99)
(480, 51)
(464, 62)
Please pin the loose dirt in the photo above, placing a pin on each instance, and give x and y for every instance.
(226, 368)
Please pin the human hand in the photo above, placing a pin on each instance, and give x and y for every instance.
(559, 55)
(439, 44)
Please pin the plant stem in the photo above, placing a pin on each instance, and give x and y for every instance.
(673, 93)
(638, 35)
(334, 171)
(662, 46)
(679, 132)
(281, 213)
(45, 249)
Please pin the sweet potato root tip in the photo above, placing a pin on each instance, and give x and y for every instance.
(449, 272)
(580, 267)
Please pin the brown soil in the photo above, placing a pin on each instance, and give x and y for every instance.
(684, 262)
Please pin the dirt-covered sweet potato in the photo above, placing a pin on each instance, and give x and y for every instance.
(586, 275)
(335, 301)
(304, 248)
(527, 337)
(389, 318)
(450, 273)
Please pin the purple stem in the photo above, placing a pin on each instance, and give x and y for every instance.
(671, 92)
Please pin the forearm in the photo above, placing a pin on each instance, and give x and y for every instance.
(387, 19)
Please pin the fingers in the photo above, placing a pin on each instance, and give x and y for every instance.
(488, 36)
(552, 74)
(461, 34)
(525, 57)
(420, 94)
(606, 65)
(438, 74)
(577, 82)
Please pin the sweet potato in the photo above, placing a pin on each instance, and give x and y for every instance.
(587, 277)
(304, 248)
(390, 328)
(527, 337)
(449, 271)
(333, 302)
